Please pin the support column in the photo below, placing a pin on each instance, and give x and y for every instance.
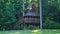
(40, 7)
(23, 7)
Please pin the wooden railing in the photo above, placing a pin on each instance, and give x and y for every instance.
(31, 19)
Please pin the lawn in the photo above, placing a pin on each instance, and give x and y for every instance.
(31, 32)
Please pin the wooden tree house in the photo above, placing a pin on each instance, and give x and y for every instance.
(31, 18)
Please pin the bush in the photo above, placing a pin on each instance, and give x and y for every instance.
(31, 27)
(49, 24)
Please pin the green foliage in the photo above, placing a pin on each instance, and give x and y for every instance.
(30, 27)
(17, 27)
(58, 7)
(9, 11)
(51, 12)
(49, 24)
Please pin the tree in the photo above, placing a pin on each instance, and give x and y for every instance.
(9, 11)
(51, 11)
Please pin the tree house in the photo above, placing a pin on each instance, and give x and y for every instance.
(31, 18)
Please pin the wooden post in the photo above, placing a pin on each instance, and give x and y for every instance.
(40, 7)
(23, 7)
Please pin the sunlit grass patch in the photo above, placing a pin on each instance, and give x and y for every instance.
(54, 30)
(11, 33)
(17, 33)
(36, 31)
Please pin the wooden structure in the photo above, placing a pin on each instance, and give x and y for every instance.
(28, 21)
(32, 21)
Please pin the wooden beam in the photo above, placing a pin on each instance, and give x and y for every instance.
(23, 7)
(40, 6)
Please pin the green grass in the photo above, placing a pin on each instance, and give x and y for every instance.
(51, 31)
(31, 32)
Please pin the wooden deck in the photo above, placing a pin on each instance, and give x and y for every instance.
(31, 19)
